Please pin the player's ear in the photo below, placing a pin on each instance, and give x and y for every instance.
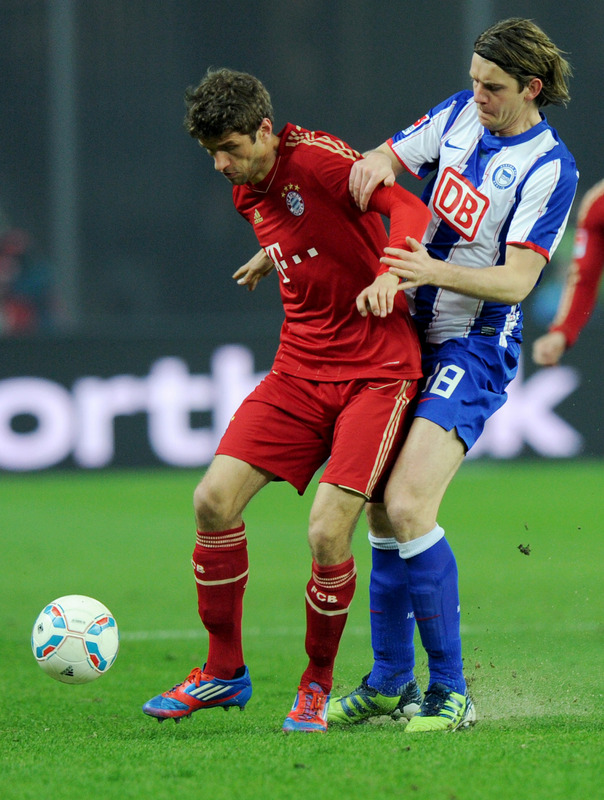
(533, 87)
(266, 129)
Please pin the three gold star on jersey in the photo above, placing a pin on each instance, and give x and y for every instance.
(288, 188)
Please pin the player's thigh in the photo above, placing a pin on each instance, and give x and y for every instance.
(424, 468)
(226, 489)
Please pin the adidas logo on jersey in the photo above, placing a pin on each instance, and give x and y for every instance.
(257, 217)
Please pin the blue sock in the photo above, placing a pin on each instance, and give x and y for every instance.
(433, 587)
(392, 622)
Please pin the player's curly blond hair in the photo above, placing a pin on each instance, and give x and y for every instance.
(226, 101)
(523, 50)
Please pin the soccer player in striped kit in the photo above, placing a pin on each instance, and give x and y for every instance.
(340, 387)
(500, 191)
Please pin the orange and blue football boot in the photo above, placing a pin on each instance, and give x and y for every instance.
(309, 711)
(200, 690)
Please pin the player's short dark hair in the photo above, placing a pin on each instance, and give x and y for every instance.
(523, 50)
(224, 102)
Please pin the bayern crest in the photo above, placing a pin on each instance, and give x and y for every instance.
(294, 201)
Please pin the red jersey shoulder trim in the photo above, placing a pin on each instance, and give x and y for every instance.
(532, 246)
(297, 136)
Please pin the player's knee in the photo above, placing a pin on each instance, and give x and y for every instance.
(318, 538)
(213, 507)
(328, 545)
(405, 512)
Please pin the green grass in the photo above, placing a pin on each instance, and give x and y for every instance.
(532, 633)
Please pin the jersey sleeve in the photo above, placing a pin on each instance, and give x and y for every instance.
(585, 271)
(418, 146)
(542, 213)
(408, 216)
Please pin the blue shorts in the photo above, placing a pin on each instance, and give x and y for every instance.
(465, 383)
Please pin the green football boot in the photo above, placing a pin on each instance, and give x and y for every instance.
(365, 702)
(442, 710)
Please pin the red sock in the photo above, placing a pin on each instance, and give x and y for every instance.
(220, 565)
(328, 596)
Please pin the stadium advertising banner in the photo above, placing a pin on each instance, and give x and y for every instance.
(101, 403)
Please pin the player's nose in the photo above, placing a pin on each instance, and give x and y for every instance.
(479, 95)
(221, 162)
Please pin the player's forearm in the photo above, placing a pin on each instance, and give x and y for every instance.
(507, 283)
(575, 309)
(497, 284)
(580, 290)
(408, 215)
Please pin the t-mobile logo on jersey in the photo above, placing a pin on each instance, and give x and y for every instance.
(460, 204)
(273, 251)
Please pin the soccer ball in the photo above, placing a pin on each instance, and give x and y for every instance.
(75, 639)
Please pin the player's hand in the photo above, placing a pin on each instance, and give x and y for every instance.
(366, 174)
(415, 267)
(253, 270)
(378, 298)
(549, 349)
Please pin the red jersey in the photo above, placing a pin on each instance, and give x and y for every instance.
(326, 252)
(585, 272)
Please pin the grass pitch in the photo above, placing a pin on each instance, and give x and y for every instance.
(532, 634)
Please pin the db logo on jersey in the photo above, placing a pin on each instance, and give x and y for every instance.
(460, 204)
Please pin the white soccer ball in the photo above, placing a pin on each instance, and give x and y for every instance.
(75, 639)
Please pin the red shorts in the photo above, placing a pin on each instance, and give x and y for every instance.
(291, 426)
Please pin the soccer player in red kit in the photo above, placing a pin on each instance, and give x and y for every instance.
(340, 387)
(581, 288)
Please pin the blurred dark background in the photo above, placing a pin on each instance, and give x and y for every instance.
(123, 339)
(126, 225)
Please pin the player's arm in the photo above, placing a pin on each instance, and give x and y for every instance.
(409, 217)
(506, 283)
(250, 273)
(378, 166)
(578, 298)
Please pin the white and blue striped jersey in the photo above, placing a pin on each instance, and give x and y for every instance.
(487, 192)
